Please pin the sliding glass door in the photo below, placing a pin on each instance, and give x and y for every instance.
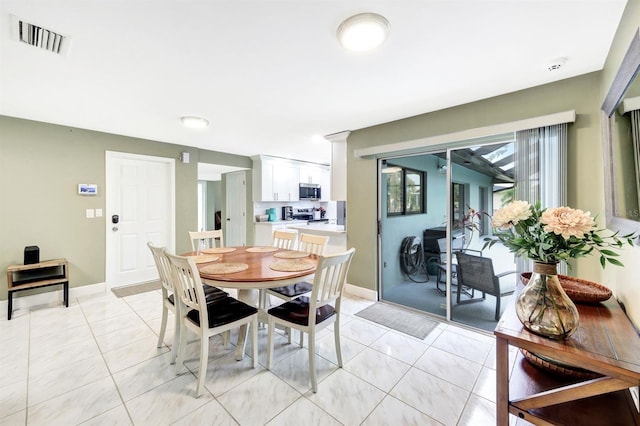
(412, 212)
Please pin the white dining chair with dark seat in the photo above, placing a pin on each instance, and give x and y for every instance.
(321, 309)
(312, 244)
(208, 237)
(207, 319)
(168, 297)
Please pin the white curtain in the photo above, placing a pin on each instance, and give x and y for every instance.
(541, 171)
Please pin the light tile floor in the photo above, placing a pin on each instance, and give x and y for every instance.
(96, 363)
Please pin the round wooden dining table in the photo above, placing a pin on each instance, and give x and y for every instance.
(249, 269)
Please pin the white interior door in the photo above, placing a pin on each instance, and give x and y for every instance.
(140, 191)
(236, 201)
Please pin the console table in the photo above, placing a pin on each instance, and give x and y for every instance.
(35, 275)
(606, 343)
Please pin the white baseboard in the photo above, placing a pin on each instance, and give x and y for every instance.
(364, 293)
(49, 297)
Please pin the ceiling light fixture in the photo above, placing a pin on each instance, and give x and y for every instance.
(363, 32)
(194, 122)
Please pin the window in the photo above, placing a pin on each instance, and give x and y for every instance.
(405, 192)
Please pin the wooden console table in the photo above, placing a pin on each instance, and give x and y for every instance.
(606, 343)
(35, 275)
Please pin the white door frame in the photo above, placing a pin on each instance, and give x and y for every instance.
(114, 155)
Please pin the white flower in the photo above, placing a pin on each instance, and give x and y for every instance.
(567, 222)
(511, 214)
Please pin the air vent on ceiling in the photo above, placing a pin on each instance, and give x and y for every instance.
(38, 36)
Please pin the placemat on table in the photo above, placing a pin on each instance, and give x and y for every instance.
(224, 268)
(293, 265)
(291, 254)
(261, 249)
(219, 250)
(204, 258)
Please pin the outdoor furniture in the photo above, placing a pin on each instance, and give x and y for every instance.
(476, 273)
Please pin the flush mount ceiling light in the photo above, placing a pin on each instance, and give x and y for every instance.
(363, 32)
(194, 122)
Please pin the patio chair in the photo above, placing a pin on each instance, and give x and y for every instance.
(476, 273)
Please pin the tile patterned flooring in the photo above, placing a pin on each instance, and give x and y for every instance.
(96, 363)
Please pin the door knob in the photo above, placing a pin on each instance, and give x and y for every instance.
(114, 229)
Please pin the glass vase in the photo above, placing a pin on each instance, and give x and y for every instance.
(543, 307)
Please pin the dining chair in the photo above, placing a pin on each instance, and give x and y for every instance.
(324, 303)
(312, 244)
(207, 319)
(284, 239)
(208, 237)
(168, 297)
(476, 273)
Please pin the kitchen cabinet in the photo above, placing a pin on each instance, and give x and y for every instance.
(274, 179)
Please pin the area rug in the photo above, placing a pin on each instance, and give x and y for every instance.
(130, 290)
(399, 319)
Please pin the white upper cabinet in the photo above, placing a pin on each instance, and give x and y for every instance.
(275, 179)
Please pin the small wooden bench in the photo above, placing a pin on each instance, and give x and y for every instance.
(35, 275)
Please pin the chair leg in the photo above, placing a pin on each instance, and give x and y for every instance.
(182, 342)
(498, 307)
(163, 325)
(336, 336)
(301, 338)
(312, 361)
(204, 358)
(289, 332)
(176, 338)
(271, 325)
(254, 342)
(226, 338)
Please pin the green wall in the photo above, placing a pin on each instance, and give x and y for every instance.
(581, 94)
(40, 168)
(623, 281)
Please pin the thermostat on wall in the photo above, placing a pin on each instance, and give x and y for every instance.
(87, 189)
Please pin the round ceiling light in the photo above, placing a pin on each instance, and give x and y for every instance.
(194, 122)
(363, 32)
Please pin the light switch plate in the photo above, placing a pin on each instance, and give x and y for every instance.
(98, 212)
(90, 214)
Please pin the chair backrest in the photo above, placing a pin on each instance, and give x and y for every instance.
(189, 291)
(476, 272)
(314, 244)
(208, 236)
(164, 269)
(284, 239)
(329, 280)
(457, 244)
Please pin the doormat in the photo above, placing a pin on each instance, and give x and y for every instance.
(130, 290)
(399, 319)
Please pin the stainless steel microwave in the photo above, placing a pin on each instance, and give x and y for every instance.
(309, 191)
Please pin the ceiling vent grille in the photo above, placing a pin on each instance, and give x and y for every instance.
(38, 36)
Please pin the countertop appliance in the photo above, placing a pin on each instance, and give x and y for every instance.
(310, 191)
(272, 213)
(303, 214)
(287, 213)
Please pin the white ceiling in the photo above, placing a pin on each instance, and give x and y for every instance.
(270, 74)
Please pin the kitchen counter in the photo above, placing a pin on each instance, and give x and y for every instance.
(336, 233)
(319, 228)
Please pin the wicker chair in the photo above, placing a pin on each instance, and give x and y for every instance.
(476, 273)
